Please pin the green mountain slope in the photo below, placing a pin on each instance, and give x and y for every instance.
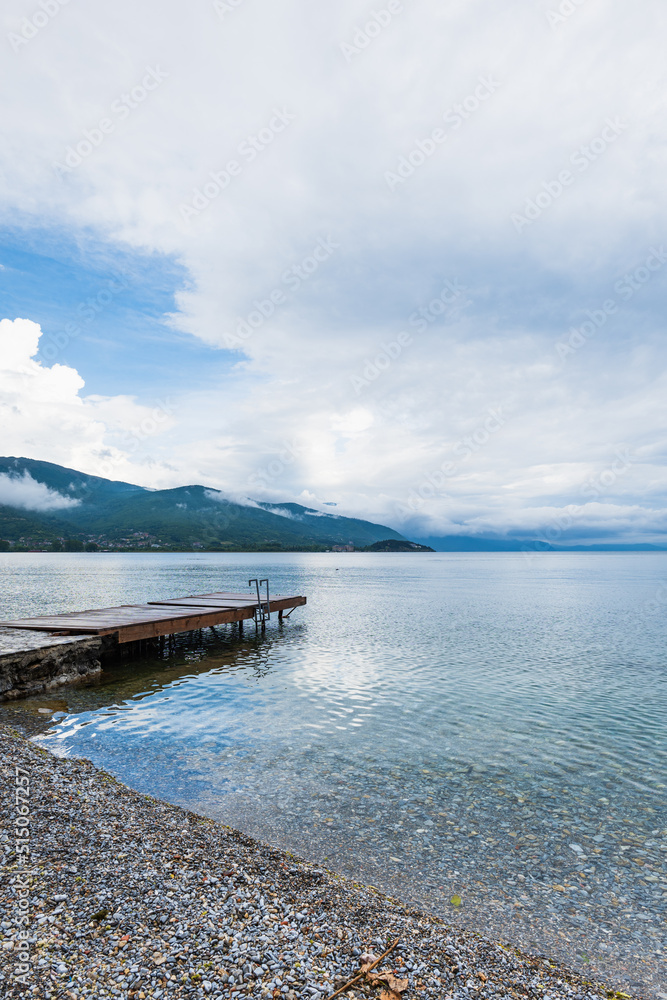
(120, 515)
(68, 482)
(16, 523)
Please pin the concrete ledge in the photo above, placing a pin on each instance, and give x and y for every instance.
(50, 663)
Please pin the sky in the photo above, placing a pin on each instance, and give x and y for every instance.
(403, 259)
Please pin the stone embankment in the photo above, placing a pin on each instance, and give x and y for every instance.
(34, 662)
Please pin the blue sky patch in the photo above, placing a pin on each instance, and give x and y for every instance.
(102, 310)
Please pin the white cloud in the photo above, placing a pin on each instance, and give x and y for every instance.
(24, 491)
(44, 414)
(225, 497)
(284, 512)
(289, 421)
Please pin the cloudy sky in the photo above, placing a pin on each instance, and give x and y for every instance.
(405, 258)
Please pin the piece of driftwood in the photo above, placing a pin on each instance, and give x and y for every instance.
(362, 974)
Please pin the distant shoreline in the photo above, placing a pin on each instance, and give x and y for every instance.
(529, 552)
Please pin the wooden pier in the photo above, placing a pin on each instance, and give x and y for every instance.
(136, 622)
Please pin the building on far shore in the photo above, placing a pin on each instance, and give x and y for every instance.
(343, 548)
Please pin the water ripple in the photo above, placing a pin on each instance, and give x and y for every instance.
(439, 725)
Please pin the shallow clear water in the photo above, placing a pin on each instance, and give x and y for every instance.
(484, 726)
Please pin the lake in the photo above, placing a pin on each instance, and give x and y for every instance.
(482, 734)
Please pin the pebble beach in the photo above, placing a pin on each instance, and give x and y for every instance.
(132, 897)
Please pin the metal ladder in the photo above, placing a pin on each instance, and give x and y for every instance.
(262, 611)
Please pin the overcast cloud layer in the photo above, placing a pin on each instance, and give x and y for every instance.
(430, 239)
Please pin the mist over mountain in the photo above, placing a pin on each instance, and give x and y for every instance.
(42, 503)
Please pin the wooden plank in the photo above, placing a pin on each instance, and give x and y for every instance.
(103, 616)
(222, 596)
(193, 602)
(100, 615)
(56, 629)
(151, 630)
(229, 593)
(158, 611)
(275, 604)
(142, 621)
(133, 631)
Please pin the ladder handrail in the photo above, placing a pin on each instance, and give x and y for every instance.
(262, 614)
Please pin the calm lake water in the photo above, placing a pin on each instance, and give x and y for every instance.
(482, 726)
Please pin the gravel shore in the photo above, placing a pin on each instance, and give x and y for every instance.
(131, 897)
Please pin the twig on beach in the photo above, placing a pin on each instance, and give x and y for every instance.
(362, 974)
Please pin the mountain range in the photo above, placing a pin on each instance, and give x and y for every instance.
(46, 505)
(43, 505)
